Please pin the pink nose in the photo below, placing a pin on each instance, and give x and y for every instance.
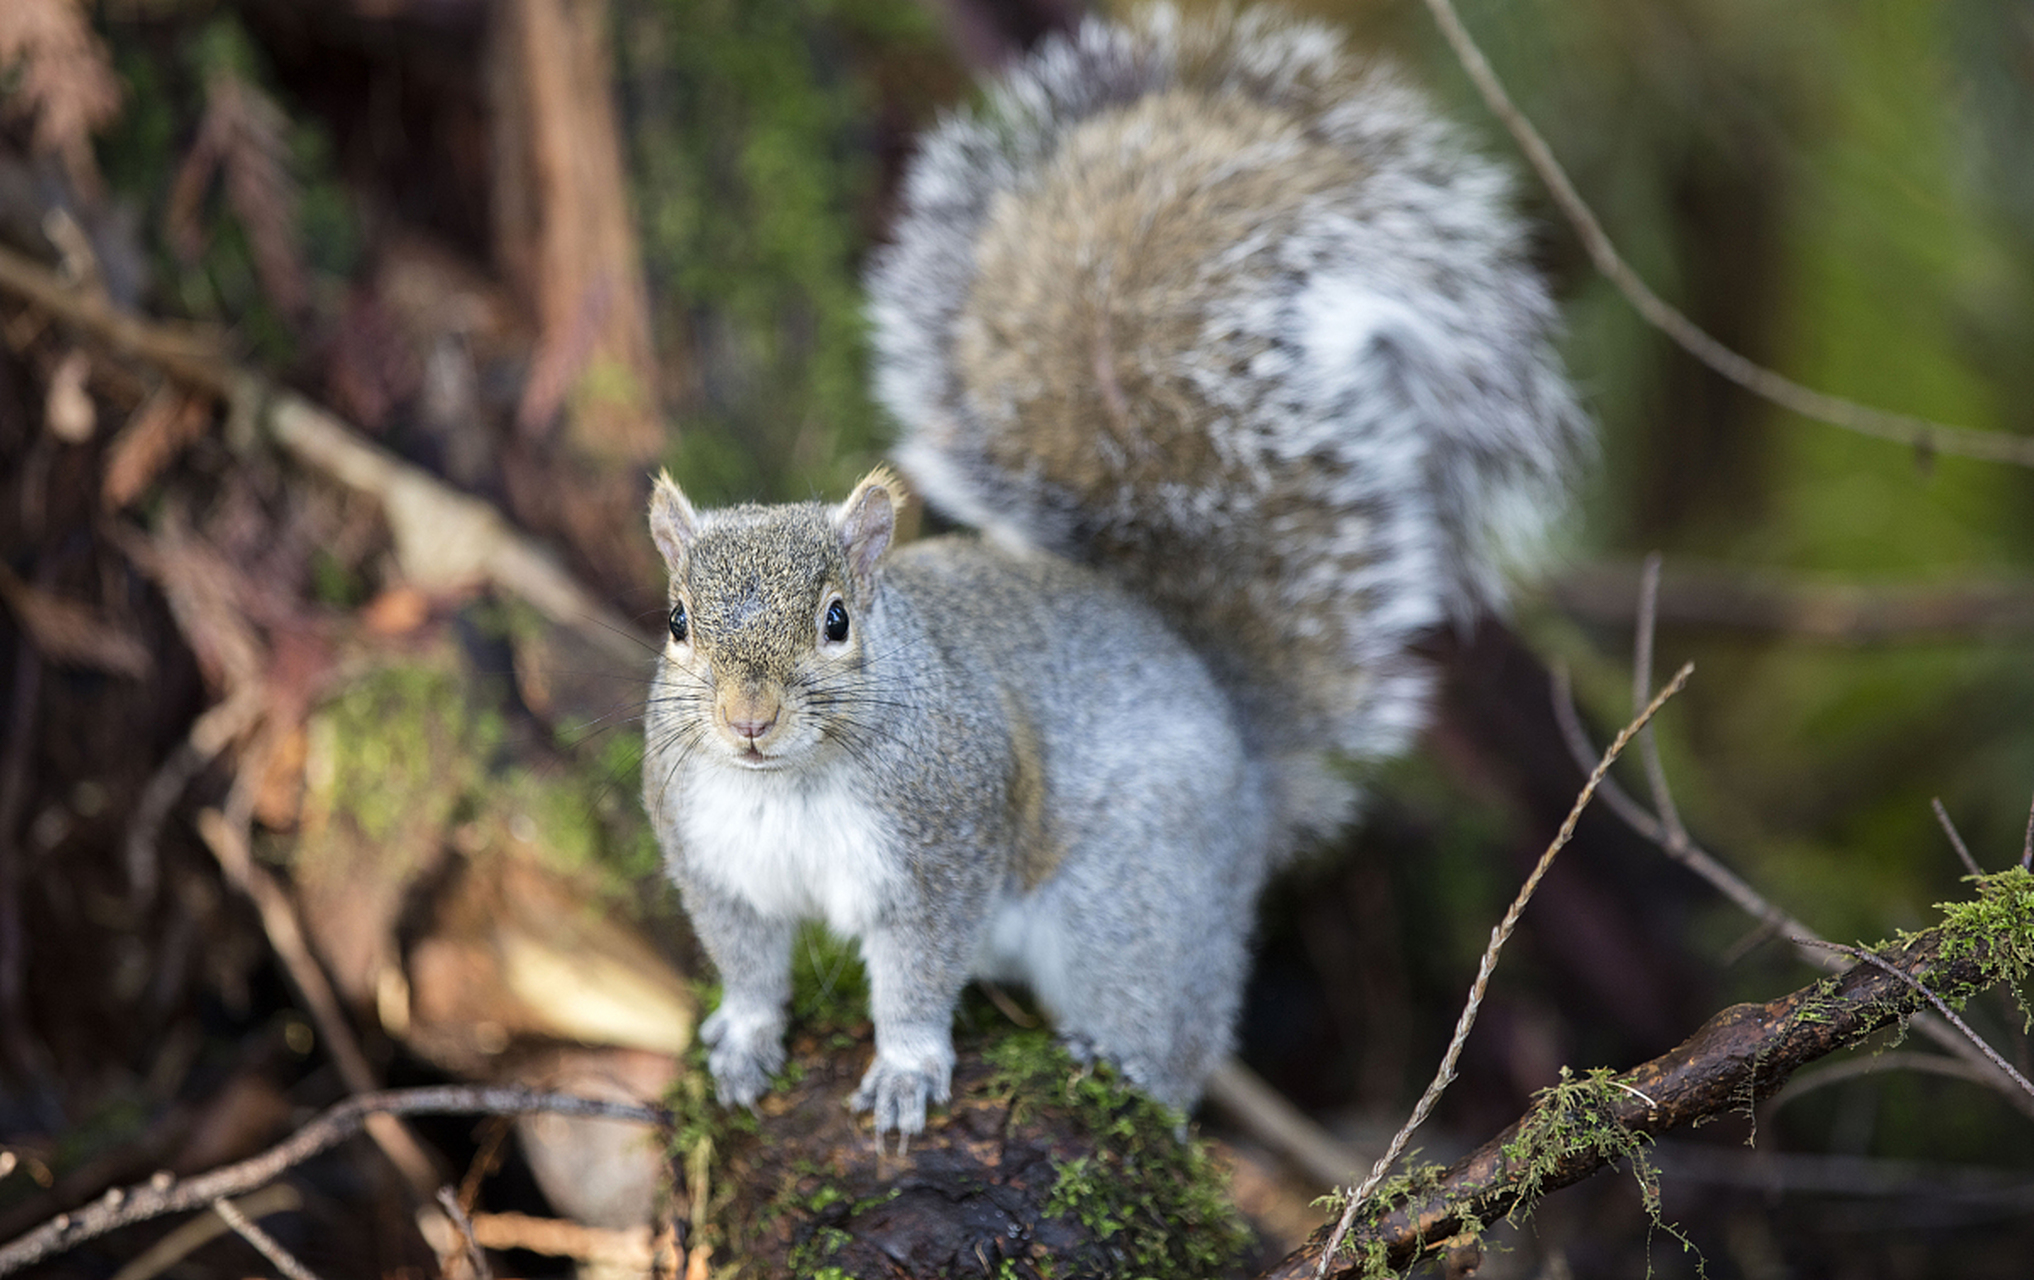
(751, 729)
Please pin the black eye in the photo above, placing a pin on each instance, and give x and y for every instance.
(836, 622)
(681, 625)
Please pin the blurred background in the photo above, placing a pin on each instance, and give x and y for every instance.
(531, 250)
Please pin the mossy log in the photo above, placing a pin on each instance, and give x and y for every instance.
(1040, 1167)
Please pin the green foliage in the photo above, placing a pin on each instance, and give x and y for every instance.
(1575, 1115)
(753, 123)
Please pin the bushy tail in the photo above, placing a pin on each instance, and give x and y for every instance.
(1239, 322)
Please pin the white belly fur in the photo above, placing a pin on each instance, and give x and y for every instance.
(792, 846)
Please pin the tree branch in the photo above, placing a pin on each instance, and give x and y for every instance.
(1740, 1057)
(163, 1194)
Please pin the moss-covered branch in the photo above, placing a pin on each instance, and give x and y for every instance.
(1739, 1057)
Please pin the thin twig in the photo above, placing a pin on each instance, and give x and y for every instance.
(277, 1197)
(1266, 1114)
(1921, 434)
(264, 1243)
(1941, 1007)
(476, 1257)
(1642, 689)
(163, 1194)
(1741, 1056)
(1970, 864)
(1683, 851)
(227, 839)
(1938, 1064)
(1445, 1075)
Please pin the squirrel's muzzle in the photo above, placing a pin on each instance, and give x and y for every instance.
(749, 714)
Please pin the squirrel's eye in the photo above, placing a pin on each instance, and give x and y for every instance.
(681, 624)
(836, 622)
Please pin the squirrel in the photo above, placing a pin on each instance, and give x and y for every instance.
(1229, 351)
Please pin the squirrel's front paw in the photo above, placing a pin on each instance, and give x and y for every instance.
(903, 1079)
(747, 1049)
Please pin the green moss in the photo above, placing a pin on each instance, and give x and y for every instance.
(1158, 1199)
(418, 753)
(1579, 1115)
(1997, 924)
(406, 749)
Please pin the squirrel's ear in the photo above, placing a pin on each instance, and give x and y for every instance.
(673, 523)
(868, 520)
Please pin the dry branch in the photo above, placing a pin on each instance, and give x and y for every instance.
(558, 1238)
(264, 1243)
(164, 1194)
(1740, 1057)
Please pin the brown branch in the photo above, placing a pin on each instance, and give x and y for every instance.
(558, 1238)
(1941, 1007)
(1741, 1056)
(1772, 920)
(164, 1194)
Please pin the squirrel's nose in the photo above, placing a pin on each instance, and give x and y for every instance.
(752, 728)
(749, 713)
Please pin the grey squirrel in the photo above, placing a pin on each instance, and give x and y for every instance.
(1230, 351)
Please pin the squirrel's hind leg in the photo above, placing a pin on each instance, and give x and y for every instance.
(1148, 958)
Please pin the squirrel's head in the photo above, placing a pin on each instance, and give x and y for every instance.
(766, 611)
